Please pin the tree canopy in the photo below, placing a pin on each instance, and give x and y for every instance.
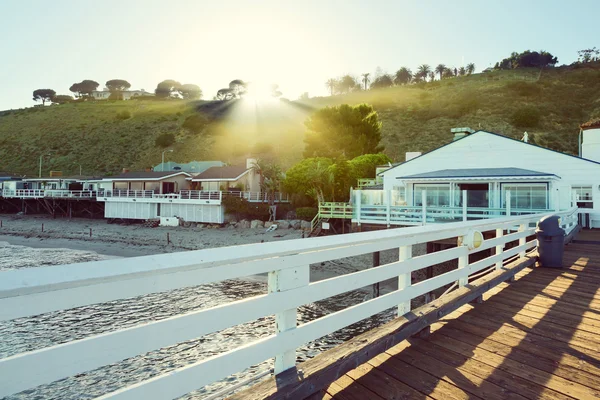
(117, 85)
(191, 92)
(365, 166)
(84, 88)
(382, 81)
(167, 88)
(343, 130)
(43, 95)
(528, 59)
(62, 99)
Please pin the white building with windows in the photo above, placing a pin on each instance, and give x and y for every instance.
(493, 174)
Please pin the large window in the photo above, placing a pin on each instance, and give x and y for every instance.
(583, 193)
(437, 195)
(526, 196)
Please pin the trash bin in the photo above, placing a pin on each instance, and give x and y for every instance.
(550, 238)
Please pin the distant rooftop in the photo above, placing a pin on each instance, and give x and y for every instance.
(478, 173)
(193, 167)
(229, 173)
(146, 175)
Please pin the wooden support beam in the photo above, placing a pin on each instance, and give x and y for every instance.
(318, 373)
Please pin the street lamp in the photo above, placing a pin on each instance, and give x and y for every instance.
(41, 158)
(163, 158)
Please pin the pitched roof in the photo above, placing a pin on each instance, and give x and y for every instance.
(229, 173)
(146, 175)
(495, 134)
(478, 173)
(193, 167)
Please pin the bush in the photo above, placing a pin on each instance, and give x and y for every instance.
(194, 123)
(306, 213)
(242, 209)
(526, 117)
(123, 115)
(165, 140)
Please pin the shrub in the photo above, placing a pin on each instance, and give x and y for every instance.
(306, 213)
(241, 208)
(194, 123)
(123, 115)
(165, 140)
(526, 117)
(524, 88)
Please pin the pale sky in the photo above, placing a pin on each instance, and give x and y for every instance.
(297, 44)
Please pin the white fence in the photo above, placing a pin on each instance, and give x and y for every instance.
(195, 195)
(49, 193)
(28, 292)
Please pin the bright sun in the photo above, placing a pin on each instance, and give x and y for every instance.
(260, 92)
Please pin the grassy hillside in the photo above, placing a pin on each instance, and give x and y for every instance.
(105, 137)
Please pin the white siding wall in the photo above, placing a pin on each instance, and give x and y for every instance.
(193, 212)
(485, 150)
(129, 210)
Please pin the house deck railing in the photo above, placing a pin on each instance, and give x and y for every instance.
(47, 193)
(34, 291)
(195, 195)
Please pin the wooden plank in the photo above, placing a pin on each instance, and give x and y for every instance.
(508, 381)
(346, 389)
(382, 384)
(419, 380)
(463, 379)
(529, 343)
(530, 373)
(569, 335)
(539, 302)
(320, 395)
(546, 314)
(515, 353)
(529, 288)
(318, 372)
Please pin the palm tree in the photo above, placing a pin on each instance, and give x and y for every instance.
(448, 73)
(331, 84)
(365, 79)
(270, 178)
(403, 76)
(462, 71)
(424, 70)
(470, 68)
(440, 70)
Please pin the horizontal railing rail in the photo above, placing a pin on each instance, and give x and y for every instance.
(34, 291)
(144, 194)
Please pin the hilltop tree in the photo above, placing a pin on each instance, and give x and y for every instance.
(431, 76)
(365, 79)
(62, 99)
(423, 71)
(343, 130)
(190, 91)
(331, 85)
(588, 55)
(448, 73)
(403, 76)
(382, 81)
(238, 87)
(346, 84)
(84, 88)
(43, 95)
(274, 89)
(117, 85)
(440, 70)
(167, 88)
(225, 94)
(462, 71)
(528, 59)
(470, 68)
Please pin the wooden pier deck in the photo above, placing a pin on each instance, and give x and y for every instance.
(535, 338)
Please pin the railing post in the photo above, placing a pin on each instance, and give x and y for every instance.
(464, 201)
(556, 201)
(499, 247)
(404, 280)
(463, 262)
(281, 281)
(424, 206)
(522, 240)
(508, 203)
(358, 207)
(389, 207)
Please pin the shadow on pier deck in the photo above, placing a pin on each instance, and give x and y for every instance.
(537, 337)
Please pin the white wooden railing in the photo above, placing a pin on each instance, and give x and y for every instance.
(194, 195)
(144, 194)
(33, 291)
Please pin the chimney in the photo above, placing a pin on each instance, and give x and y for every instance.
(460, 133)
(589, 140)
(411, 154)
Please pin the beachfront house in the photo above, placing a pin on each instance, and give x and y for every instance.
(228, 178)
(193, 167)
(145, 183)
(489, 173)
